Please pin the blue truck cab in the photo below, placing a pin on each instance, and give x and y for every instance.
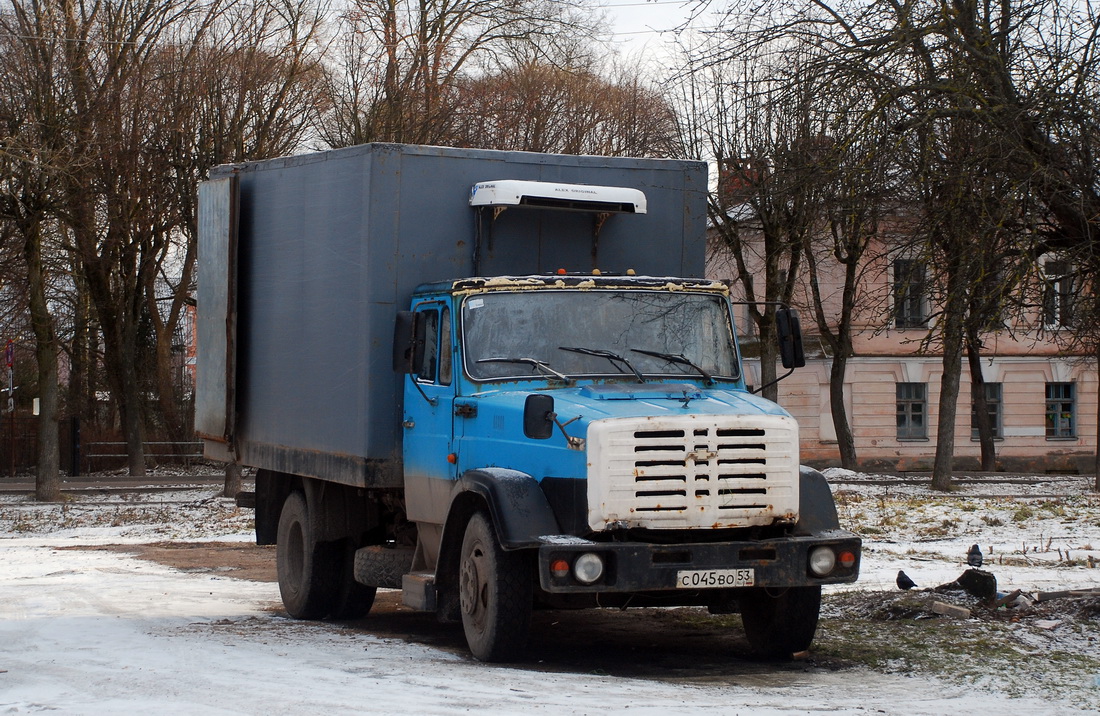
(603, 426)
(500, 382)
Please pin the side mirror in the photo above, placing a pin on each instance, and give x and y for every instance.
(790, 338)
(538, 416)
(404, 341)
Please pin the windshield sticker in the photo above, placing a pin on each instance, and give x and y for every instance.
(475, 303)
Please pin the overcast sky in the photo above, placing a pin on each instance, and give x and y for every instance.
(646, 25)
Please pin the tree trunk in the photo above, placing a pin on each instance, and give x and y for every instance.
(981, 407)
(846, 441)
(1096, 463)
(769, 352)
(78, 359)
(119, 356)
(47, 483)
(949, 400)
(133, 423)
(167, 391)
(164, 327)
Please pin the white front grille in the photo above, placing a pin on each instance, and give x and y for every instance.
(692, 471)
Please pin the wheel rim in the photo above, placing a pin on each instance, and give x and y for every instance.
(473, 590)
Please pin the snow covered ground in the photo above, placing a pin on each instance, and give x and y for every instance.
(101, 632)
(1037, 533)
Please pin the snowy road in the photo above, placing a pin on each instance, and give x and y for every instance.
(94, 632)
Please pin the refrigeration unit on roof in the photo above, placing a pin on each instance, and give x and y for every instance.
(550, 195)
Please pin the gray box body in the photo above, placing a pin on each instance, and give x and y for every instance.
(304, 262)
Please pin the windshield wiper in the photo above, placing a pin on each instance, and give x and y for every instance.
(538, 364)
(676, 358)
(612, 358)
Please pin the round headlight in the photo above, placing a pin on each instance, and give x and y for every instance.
(588, 568)
(822, 561)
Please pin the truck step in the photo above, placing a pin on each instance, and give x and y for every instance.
(418, 591)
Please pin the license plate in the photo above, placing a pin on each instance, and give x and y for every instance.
(714, 578)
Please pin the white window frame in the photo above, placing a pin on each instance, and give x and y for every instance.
(1058, 293)
(920, 322)
(994, 399)
(904, 409)
(1061, 411)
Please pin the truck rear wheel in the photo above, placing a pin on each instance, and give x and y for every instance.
(353, 600)
(779, 624)
(494, 589)
(306, 567)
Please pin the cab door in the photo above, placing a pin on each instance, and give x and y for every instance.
(428, 420)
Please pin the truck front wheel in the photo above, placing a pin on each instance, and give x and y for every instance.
(304, 565)
(495, 592)
(779, 623)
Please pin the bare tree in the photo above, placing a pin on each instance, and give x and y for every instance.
(140, 98)
(1018, 76)
(755, 113)
(108, 47)
(246, 86)
(400, 61)
(542, 107)
(32, 116)
(1085, 338)
(861, 193)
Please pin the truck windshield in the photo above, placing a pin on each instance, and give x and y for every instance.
(662, 334)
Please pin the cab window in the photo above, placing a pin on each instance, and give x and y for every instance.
(432, 363)
(427, 354)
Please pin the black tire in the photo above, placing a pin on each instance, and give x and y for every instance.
(353, 600)
(306, 568)
(383, 566)
(779, 623)
(495, 594)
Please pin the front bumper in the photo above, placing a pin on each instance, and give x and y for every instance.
(644, 567)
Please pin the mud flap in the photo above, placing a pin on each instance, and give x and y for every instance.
(816, 507)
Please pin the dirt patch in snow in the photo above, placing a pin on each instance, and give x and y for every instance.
(239, 560)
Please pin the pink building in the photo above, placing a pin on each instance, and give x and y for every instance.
(1042, 402)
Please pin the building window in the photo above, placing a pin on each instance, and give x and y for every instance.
(993, 393)
(912, 401)
(1061, 410)
(1057, 294)
(910, 306)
